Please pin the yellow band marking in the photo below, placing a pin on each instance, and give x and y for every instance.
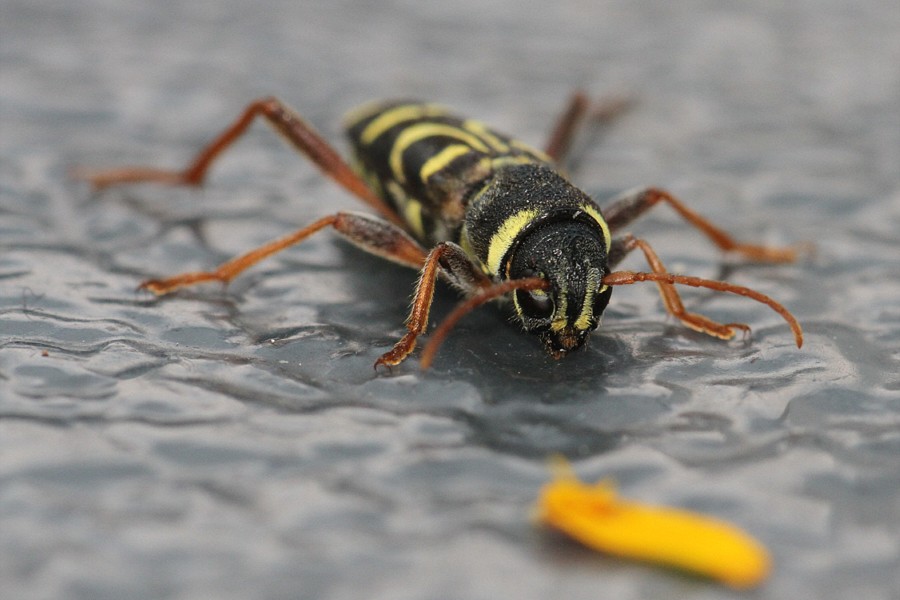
(481, 130)
(417, 133)
(409, 207)
(595, 214)
(394, 116)
(441, 160)
(504, 237)
(505, 161)
(361, 113)
(528, 149)
(412, 214)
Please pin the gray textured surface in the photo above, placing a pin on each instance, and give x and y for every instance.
(235, 445)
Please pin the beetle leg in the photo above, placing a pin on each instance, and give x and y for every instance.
(633, 204)
(572, 119)
(370, 233)
(285, 121)
(566, 124)
(446, 259)
(671, 299)
(486, 294)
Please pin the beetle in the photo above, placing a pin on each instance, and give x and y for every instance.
(488, 213)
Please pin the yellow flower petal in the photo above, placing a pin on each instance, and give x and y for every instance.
(596, 517)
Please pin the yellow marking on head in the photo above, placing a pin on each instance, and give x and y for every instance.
(397, 115)
(503, 238)
(559, 318)
(481, 130)
(587, 309)
(416, 133)
(441, 160)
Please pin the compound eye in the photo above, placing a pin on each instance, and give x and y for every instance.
(600, 302)
(536, 304)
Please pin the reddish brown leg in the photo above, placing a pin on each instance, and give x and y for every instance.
(672, 300)
(370, 233)
(452, 261)
(566, 125)
(633, 204)
(289, 124)
(573, 118)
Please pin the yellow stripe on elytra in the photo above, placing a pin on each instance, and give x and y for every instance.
(534, 152)
(505, 161)
(394, 116)
(504, 237)
(361, 113)
(441, 160)
(410, 207)
(481, 130)
(417, 133)
(412, 214)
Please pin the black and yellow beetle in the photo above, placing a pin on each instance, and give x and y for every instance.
(488, 213)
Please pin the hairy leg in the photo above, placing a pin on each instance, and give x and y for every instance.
(286, 122)
(369, 233)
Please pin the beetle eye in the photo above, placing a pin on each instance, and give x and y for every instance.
(600, 302)
(536, 304)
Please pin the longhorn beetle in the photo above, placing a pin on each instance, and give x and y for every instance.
(486, 212)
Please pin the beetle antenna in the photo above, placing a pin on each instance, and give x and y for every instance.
(467, 306)
(630, 277)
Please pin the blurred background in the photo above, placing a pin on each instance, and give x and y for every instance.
(238, 444)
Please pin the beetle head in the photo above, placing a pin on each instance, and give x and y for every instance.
(571, 256)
